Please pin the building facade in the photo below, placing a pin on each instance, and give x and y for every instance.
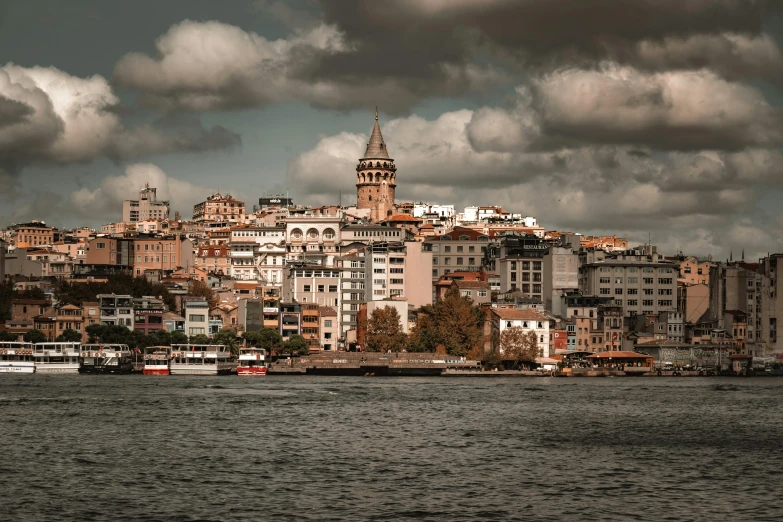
(147, 207)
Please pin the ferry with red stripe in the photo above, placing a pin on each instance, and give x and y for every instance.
(157, 360)
(16, 357)
(252, 361)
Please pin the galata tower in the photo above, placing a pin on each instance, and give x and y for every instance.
(376, 177)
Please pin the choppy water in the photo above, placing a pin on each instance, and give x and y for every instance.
(317, 448)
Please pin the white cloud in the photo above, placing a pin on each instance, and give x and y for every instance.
(105, 201)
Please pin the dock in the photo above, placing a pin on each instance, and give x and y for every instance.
(369, 363)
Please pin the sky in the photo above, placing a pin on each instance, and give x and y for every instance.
(656, 120)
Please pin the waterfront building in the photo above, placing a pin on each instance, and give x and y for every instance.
(459, 250)
(196, 316)
(116, 310)
(527, 320)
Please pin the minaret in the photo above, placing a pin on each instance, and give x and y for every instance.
(376, 176)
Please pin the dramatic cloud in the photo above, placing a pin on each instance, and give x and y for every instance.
(590, 189)
(105, 201)
(685, 110)
(212, 65)
(49, 116)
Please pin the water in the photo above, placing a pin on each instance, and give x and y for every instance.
(318, 448)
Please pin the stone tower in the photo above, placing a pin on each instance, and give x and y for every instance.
(376, 177)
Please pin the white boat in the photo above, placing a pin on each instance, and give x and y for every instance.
(106, 358)
(157, 360)
(16, 357)
(252, 361)
(56, 357)
(201, 359)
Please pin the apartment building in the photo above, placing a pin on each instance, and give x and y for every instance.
(695, 271)
(258, 253)
(743, 287)
(196, 316)
(162, 253)
(353, 277)
(460, 249)
(519, 261)
(148, 314)
(116, 310)
(527, 320)
(34, 234)
(313, 239)
(104, 250)
(146, 208)
(640, 287)
(219, 208)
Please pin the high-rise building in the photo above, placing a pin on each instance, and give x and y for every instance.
(376, 177)
(146, 207)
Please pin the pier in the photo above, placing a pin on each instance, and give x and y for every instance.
(369, 363)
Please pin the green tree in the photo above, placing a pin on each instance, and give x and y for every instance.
(229, 339)
(454, 323)
(200, 289)
(296, 344)
(384, 332)
(120, 284)
(8, 336)
(179, 338)
(270, 339)
(158, 338)
(252, 337)
(69, 336)
(518, 346)
(35, 336)
(199, 339)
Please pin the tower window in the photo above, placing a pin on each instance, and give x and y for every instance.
(370, 198)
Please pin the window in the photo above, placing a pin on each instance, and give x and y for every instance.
(434, 273)
(513, 265)
(446, 260)
(618, 280)
(397, 281)
(471, 260)
(632, 291)
(196, 318)
(434, 260)
(536, 265)
(320, 288)
(482, 293)
(100, 245)
(307, 288)
(536, 289)
(647, 302)
(525, 265)
(648, 280)
(459, 248)
(605, 291)
(664, 280)
(537, 277)
(447, 248)
(525, 276)
(618, 291)
(332, 288)
(605, 280)
(633, 302)
(648, 291)
(633, 280)
(514, 276)
(459, 260)
(471, 249)
(526, 288)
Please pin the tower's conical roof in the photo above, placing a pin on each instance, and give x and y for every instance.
(376, 148)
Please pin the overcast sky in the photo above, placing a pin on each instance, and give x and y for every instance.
(644, 118)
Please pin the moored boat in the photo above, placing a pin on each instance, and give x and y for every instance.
(56, 357)
(16, 357)
(106, 358)
(201, 359)
(252, 361)
(157, 360)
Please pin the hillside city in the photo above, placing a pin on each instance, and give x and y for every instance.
(320, 272)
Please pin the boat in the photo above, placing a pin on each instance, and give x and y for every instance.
(106, 358)
(157, 360)
(252, 361)
(16, 357)
(201, 359)
(56, 357)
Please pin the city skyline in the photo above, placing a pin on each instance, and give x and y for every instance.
(623, 123)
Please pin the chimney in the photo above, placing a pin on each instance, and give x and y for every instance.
(176, 215)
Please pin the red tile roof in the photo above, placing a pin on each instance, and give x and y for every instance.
(515, 313)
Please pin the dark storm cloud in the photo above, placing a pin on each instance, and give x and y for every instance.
(12, 111)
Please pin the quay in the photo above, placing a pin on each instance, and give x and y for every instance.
(370, 363)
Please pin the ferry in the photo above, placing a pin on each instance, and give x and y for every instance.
(56, 357)
(252, 361)
(16, 357)
(201, 359)
(106, 358)
(157, 360)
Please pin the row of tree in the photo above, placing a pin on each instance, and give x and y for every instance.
(455, 326)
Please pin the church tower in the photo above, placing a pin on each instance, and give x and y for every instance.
(376, 177)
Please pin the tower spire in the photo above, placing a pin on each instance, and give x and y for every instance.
(376, 113)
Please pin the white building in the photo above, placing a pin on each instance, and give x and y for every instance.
(147, 207)
(313, 238)
(258, 254)
(196, 317)
(528, 320)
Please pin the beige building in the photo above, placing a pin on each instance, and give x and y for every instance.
(313, 238)
(109, 251)
(641, 288)
(460, 249)
(693, 271)
(329, 329)
(693, 301)
(164, 254)
(147, 207)
(34, 234)
(376, 177)
(398, 270)
(219, 207)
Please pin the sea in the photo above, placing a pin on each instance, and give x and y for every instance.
(148, 448)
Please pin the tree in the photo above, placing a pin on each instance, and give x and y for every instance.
(120, 284)
(199, 339)
(252, 337)
(297, 344)
(454, 322)
(200, 289)
(270, 339)
(35, 336)
(228, 338)
(158, 338)
(8, 336)
(518, 346)
(384, 332)
(179, 338)
(69, 336)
